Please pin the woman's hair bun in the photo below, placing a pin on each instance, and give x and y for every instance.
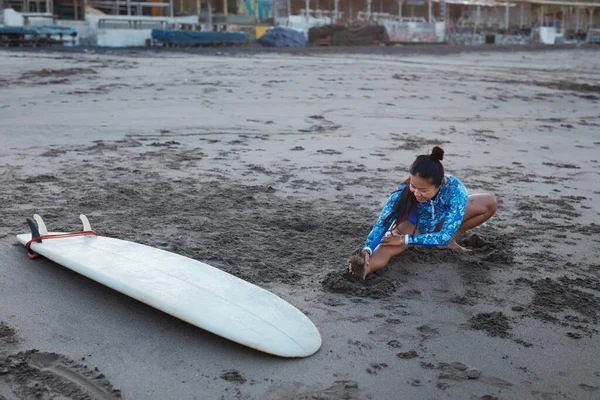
(437, 153)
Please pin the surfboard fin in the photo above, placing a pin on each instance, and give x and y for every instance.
(86, 223)
(35, 233)
(40, 224)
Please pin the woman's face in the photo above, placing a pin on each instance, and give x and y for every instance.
(422, 188)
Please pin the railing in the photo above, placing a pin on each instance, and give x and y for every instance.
(133, 23)
(128, 5)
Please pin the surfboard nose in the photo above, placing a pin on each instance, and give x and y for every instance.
(304, 343)
(308, 342)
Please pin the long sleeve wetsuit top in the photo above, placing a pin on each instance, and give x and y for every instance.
(448, 205)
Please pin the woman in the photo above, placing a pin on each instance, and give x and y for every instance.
(428, 209)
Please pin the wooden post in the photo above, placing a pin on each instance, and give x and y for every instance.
(522, 24)
(429, 11)
(335, 12)
(543, 12)
(225, 8)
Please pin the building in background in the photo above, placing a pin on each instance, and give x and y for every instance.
(454, 21)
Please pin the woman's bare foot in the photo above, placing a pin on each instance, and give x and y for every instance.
(457, 247)
(359, 263)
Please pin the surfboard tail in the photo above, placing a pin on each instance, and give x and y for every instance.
(39, 232)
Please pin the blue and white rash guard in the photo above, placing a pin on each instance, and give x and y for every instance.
(448, 205)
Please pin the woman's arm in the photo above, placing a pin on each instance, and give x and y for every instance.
(379, 229)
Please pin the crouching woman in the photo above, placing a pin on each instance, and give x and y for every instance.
(428, 209)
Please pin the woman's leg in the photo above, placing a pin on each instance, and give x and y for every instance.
(382, 254)
(480, 208)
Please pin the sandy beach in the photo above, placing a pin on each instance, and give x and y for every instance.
(274, 167)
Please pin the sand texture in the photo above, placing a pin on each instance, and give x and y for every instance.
(274, 167)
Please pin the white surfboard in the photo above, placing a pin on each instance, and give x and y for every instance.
(187, 289)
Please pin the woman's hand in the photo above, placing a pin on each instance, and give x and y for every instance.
(367, 259)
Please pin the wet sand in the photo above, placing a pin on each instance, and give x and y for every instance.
(274, 167)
